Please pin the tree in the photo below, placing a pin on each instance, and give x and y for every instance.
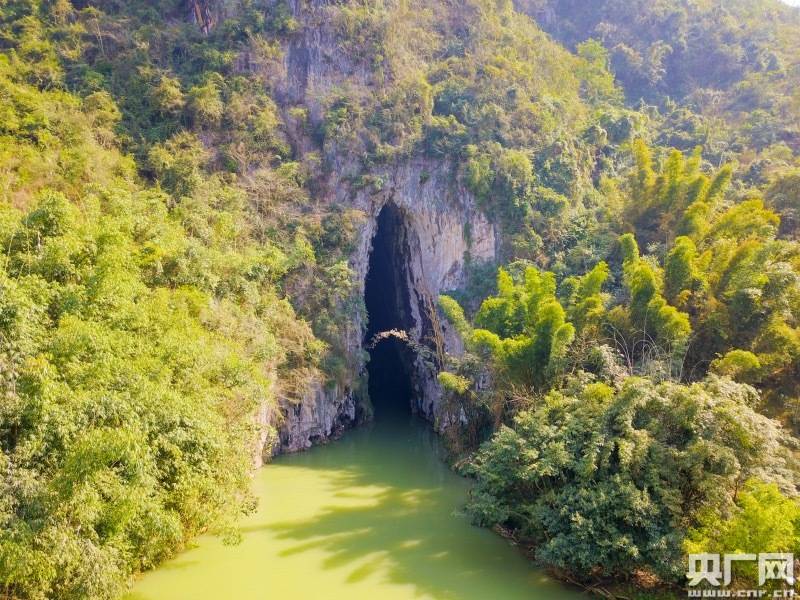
(603, 482)
(783, 196)
(523, 329)
(762, 520)
(650, 328)
(678, 199)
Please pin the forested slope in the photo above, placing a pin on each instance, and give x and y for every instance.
(172, 264)
(729, 68)
(142, 322)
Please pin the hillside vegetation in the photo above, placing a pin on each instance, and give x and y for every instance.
(169, 267)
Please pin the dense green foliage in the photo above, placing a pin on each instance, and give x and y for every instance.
(128, 391)
(140, 328)
(763, 520)
(730, 66)
(603, 481)
(169, 264)
(523, 329)
(627, 440)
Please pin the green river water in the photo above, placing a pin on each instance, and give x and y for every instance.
(373, 516)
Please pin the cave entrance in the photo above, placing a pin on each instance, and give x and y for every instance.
(386, 296)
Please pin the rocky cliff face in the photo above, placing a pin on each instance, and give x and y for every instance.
(441, 228)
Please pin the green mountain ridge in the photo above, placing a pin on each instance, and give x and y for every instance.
(185, 197)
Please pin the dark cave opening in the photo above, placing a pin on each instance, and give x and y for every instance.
(386, 296)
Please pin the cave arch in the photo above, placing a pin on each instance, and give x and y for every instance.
(387, 296)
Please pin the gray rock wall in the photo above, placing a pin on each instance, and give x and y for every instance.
(442, 227)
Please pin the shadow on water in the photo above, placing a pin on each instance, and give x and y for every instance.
(389, 522)
(373, 515)
(398, 521)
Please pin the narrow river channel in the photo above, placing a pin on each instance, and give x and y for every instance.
(373, 516)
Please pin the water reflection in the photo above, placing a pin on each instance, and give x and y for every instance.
(371, 516)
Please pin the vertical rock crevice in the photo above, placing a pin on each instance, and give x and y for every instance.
(425, 252)
(404, 335)
(387, 297)
(386, 292)
(204, 14)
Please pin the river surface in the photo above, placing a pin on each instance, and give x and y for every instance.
(373, 516)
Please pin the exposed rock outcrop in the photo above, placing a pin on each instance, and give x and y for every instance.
(323, 413)
(442, 230)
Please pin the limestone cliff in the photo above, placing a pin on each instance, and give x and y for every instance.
(440, 224)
